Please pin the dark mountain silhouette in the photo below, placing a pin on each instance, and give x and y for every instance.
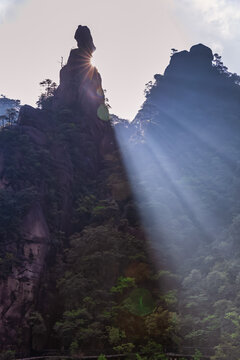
(117, 237)
(186, 138)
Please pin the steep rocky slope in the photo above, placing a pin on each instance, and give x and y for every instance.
(75, 269)
(37, 180)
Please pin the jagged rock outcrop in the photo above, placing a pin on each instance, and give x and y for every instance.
(81, 91)
(84, 40)
(39, 159)
(80, 83)
(187, 63)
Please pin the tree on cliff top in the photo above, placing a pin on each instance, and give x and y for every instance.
(49, 87)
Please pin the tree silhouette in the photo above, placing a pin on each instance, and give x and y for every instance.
(49, 90)
(173, 51)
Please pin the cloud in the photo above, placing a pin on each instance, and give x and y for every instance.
(214, 23)
(8, 8)
(223, 16)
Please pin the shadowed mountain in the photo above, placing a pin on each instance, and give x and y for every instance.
(182, 154)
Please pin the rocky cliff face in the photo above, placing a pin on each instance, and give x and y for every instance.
(38, 162)
(80, 82)
(20, 287)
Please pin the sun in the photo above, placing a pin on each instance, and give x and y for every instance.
(93, 61)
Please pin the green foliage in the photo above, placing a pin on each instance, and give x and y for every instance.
(126, 348)
(162, 325)
(84, 206)
(139, 302)
(115, 335)
(72, 326)
(170, 298)
(153, 351)
(102, 357)
(74, 348)
(139, 357)
(197, 355)
(23, 159)
(122, 284)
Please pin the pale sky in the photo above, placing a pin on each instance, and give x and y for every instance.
(133, 40)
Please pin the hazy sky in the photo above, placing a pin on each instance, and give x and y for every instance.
(133, 40)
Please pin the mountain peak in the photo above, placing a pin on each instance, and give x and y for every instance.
(198, 60)
(201, 50)
(84, 39)
(80, 83)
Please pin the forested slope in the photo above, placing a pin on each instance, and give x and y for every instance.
(189, 131)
